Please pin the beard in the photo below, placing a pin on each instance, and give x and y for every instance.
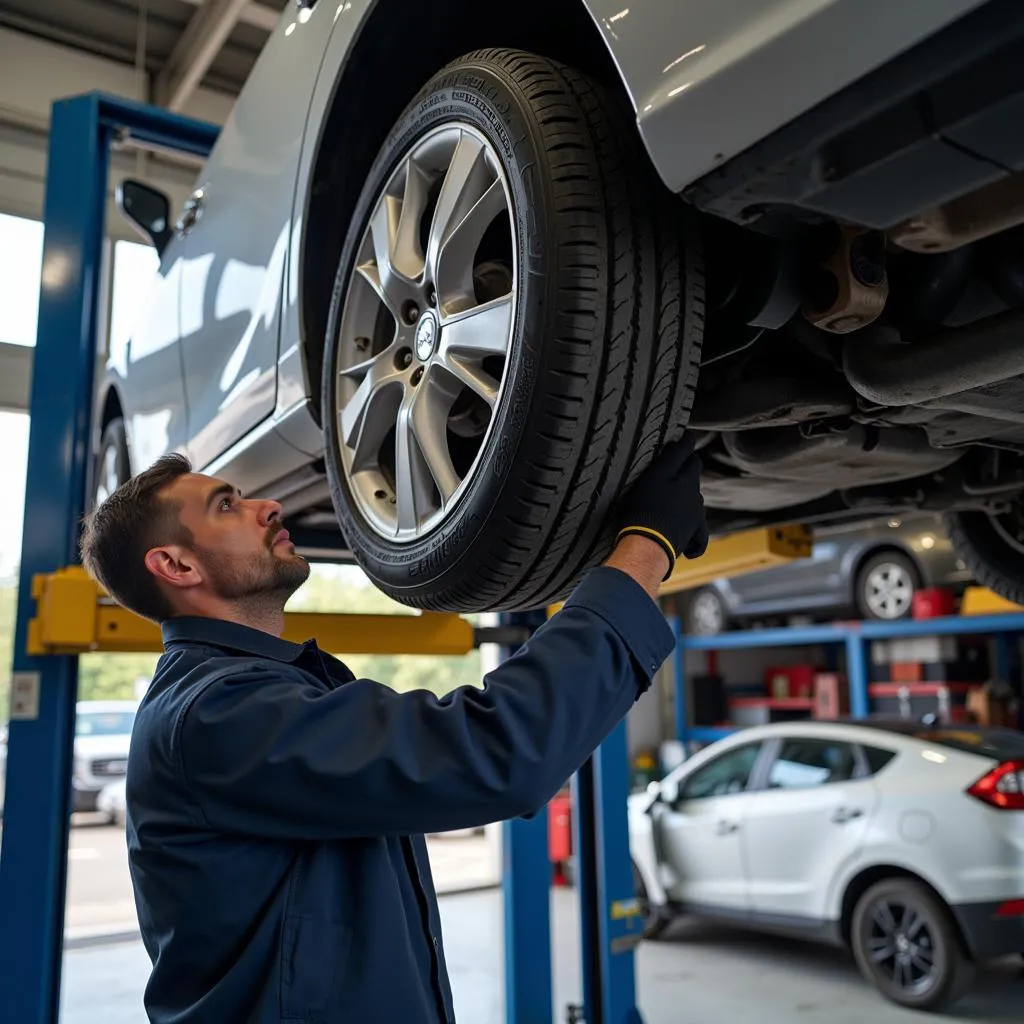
(263, 581)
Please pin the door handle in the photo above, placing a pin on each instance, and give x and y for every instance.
(841, 815)
(724, 828)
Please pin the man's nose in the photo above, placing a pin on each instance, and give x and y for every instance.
(269, 511)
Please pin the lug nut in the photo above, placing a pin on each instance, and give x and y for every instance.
(411, 312)
(417, 375)
(403, 358)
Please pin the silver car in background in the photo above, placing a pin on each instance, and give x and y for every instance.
(448, 283)
(869, 571)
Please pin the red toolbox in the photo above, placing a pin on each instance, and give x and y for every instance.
(782, 681)
(933, 603)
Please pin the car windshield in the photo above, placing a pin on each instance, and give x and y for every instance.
(104, 723)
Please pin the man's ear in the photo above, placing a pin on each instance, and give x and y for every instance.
(173, 565)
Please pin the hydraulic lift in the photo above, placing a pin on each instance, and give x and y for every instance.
(62, 614)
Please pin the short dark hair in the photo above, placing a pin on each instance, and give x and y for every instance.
(118, 533)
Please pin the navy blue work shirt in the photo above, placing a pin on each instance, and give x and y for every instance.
(276, 806)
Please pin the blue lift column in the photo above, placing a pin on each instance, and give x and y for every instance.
(33, 858)
(526, 891)
(610, 922)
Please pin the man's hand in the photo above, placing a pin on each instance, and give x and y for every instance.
(665, 509)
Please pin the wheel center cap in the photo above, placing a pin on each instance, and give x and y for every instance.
(427, 332)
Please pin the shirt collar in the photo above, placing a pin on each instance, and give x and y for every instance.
(221, 633)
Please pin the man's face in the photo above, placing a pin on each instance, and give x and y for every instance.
(238, 545)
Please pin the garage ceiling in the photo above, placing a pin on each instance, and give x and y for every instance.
(183, 43)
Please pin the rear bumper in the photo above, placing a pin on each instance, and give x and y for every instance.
(986, 933)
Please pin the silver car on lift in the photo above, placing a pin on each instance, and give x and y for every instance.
(448, 283)
(868, 571)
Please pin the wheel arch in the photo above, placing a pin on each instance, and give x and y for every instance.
(559, 29)
(863, 880)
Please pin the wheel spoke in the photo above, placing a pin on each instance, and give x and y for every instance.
(453, 273)
(901, 972)
(465, 182)
(480, 331)
(884, 918)
(912, 923)
(478, 381)
(430, 407)
(413, 482)
(370, 413)
(881, 950)
(384, 275)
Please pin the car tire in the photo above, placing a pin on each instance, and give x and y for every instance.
(992, 548)
(112, 467)
(877, 924)
(706, 614)
(602, 354)
(885, 585)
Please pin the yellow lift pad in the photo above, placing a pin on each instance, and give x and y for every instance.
(982, 601)
(740, 553)
(74, 616)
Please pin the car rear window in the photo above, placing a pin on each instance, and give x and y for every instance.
(1000, 744)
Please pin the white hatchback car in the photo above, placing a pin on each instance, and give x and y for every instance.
(903, 841)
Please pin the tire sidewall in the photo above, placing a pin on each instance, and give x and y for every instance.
(947, 952)
(114, 436)
(479, 96)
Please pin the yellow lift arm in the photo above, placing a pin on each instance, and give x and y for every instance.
(74, 615)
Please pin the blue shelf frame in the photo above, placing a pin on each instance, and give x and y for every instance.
(853, 636)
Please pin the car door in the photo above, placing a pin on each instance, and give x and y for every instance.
(237, 224)
(699, 831)
(806, 821)
(147, 365)
(803, 582)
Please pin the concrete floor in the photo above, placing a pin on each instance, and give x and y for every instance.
(701, 973)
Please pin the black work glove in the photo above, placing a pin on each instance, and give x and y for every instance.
(665, 503)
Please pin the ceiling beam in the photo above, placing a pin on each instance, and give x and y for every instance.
(205, 34)
(255, 14)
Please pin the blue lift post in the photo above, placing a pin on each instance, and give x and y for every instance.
(33, 858)
(526, 893)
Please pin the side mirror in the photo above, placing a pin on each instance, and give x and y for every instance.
(670, 792)
(148, 209)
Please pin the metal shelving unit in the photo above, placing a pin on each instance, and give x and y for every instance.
(852, 638)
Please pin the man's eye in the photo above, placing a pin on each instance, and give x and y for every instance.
(225, 503)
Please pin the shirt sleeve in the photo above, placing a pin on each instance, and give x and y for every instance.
(269, 755)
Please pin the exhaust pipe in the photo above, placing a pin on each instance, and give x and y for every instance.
(887, 371)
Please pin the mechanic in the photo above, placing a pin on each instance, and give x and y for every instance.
(276, 805)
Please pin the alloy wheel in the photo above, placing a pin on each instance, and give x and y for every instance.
(425, 332)
(888, 590)
(901, 947)
(706, 614)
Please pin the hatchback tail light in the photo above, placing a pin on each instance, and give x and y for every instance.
(1003, 787)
